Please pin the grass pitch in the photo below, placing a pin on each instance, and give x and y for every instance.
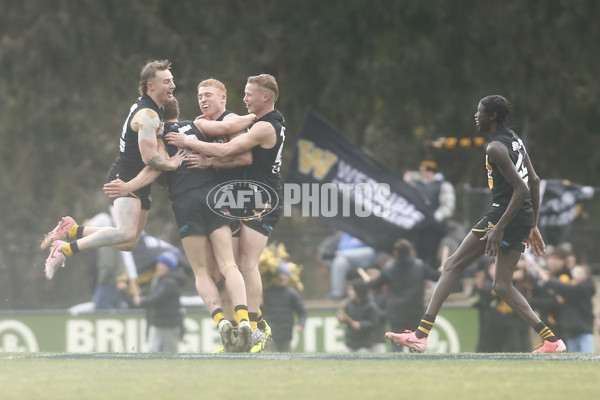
(299, 376)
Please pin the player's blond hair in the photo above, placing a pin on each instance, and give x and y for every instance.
(268, 83)
(215, 83)
(149, 71)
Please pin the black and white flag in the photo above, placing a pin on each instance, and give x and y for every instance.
(331, 178)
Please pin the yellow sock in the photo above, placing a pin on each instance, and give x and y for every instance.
(72, 232)
(547, 334)
(241, 314)
(66, 249)
(218, 316)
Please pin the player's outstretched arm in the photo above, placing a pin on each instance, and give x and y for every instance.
(261, 134)
(196, 160)
(229, 126)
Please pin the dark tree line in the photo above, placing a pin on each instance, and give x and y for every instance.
(389, 74)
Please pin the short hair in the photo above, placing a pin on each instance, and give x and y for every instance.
(212, 82)
(403, 247)
(171, 109)
(149, 71)
(360, 287)
(497, 104)
(268, 83)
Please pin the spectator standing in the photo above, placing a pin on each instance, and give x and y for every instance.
(109, 267)
(440, 200)
(163, 308)
(405, 277)
(281, 304)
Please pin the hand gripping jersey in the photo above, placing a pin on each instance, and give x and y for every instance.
(228, 174)
(184, 178)
(129, 161)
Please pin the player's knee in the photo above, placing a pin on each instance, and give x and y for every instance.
(451, 266)
(501, 288)
(128, 243)
(127, 240)
(131, 237)
(127, 247)
(227, 269)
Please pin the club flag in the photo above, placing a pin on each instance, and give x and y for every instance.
(332, 179)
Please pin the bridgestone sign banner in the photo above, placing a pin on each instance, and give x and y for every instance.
(125, 332)
(332, 179)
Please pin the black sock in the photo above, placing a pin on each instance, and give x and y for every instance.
(425, 326)
(545, 332)
(253, 320)
(261, 323)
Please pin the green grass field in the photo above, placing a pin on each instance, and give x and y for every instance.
(298, 376)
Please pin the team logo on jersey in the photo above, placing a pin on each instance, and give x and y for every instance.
(242, 200)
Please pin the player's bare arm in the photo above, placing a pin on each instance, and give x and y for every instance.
(119, 188)
(535, 237)
(213, 133)
(147, 124)
(233, 124)
(195, 160)
(498, 155)
(261, 134)
(216, 128)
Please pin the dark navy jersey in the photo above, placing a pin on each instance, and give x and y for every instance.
(266, 163)
(501, 190)
(184, 178)
(129, 161)
(228, 174)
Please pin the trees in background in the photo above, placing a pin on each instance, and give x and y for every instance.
(388, 74)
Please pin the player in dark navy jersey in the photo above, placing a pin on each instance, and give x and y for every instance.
(510, 221)
(265, 139)
(139, 148)
(188, 189)
(212, 101)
